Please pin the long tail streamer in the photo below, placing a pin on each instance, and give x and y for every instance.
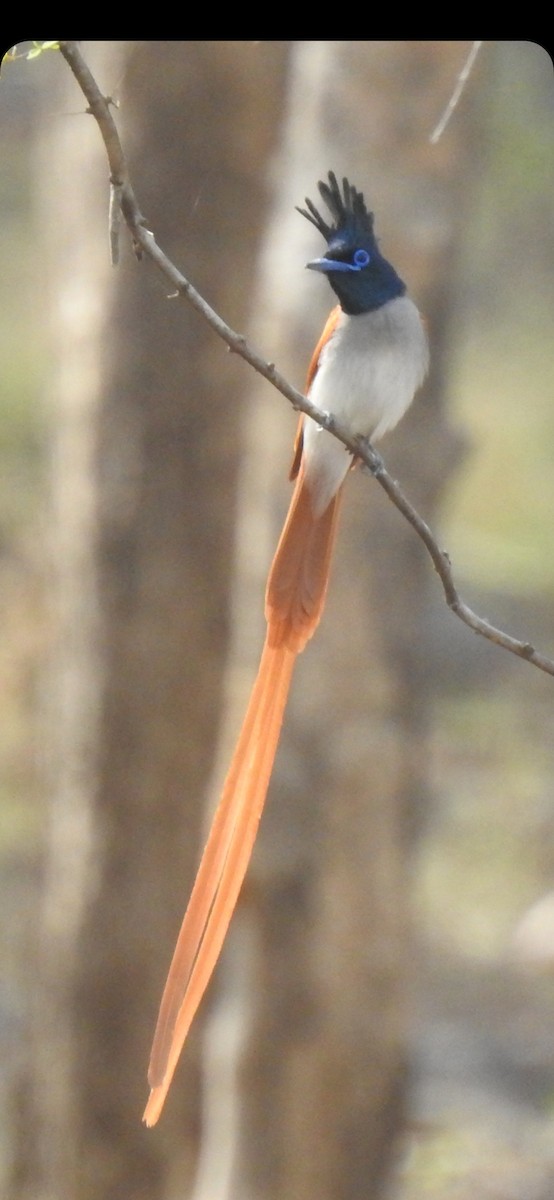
(294, 602)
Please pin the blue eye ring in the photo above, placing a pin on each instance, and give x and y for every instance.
(361, 259)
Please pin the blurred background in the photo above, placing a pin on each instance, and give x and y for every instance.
(382, 1023)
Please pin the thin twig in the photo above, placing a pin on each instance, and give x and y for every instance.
(144, 241)
(114, 222)
(443, 568)
(455, 97)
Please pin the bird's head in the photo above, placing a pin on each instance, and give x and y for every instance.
(362, 279)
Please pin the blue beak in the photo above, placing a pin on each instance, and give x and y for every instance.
(330, 264)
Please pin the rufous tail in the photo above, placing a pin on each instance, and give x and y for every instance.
(294, 602)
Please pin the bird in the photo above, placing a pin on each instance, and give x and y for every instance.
(367, 366)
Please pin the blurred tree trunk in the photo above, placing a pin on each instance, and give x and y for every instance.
(325, 924)
(146, 437)
(145, 466)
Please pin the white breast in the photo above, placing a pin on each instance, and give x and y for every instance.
(368, 374)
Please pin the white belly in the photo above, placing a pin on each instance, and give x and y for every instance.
(368, 374)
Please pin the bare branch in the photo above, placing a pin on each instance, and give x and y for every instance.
(145, 242)
(441, 562)
(455, 97)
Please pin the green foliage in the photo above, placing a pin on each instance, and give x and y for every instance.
(36, 49)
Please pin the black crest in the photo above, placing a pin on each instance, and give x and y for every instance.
(347, 209)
